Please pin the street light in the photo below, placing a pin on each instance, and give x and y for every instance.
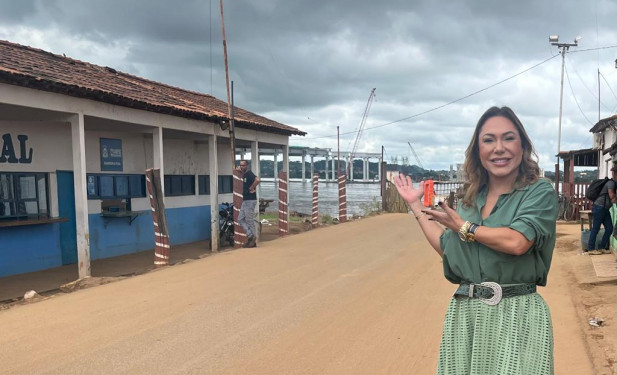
(564, 47)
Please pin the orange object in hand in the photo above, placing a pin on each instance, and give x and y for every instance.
(429, 193)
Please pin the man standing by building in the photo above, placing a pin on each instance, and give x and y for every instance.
(602, 216)
(246, 218)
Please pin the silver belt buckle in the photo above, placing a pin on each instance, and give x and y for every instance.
(496, 298)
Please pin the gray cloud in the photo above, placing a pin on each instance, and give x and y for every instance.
(313, 64)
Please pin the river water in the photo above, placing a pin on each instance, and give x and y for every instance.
(359, 196)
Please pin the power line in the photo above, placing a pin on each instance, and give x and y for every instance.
(575, 100)
(607, 84)
(446, 104)
(588, 89)
(592, 49)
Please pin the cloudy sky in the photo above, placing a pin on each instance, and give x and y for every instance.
(436, 65)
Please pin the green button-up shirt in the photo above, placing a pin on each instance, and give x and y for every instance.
(532, 211)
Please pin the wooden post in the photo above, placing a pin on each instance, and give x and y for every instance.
(238, 187)
(342, 198)
(384, 179)
(315, 216)
(557, 178)
(161, 234)
(283, 207)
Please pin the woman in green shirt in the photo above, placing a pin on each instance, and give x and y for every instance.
(497, 246)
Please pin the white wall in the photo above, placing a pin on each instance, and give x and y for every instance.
(50, 143)
(606, 161)
(133, 152)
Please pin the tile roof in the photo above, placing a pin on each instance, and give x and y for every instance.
(41, 70)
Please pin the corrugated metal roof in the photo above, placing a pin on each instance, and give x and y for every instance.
(604, 123)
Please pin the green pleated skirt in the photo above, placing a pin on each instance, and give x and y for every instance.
(511, 338)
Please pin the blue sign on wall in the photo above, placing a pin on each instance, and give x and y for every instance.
(111, 154)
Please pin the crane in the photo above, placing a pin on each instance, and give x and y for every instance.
(415, 155)
(360, 130)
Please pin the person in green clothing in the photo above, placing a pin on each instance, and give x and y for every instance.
(497, 246)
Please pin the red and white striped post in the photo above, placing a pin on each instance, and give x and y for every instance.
(238, 186)
(315, 216)
(161, 235)
(342, 198)
(283, 209)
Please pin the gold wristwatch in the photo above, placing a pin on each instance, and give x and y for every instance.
(471, 232)
(467, 232)
(462, 232)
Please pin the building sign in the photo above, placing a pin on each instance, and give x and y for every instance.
(91, 186)
(111, 154)
(8, 154)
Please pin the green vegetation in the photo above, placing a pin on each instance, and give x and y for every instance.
(370, 207)
(326, 219)
(579, 176)
(272, 217)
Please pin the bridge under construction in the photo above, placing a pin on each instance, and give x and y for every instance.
(330, 156)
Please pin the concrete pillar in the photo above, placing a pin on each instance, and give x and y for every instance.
(350, 163)
(286, 169)
(157, 155)
(326, 163)
(255, 169)
(334, 177)
(213, 166)
(78, 139)
(364, 174)
(303, 167)
(276, 164)
(312, 165)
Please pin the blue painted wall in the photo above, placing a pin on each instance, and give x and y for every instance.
(187, 224)
(37, 247)
(29, 248)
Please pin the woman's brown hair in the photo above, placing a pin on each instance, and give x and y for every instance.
(477, 176)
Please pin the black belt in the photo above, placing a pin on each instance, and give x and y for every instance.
(491, 293)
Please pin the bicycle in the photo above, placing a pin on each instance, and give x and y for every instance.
(568, 208)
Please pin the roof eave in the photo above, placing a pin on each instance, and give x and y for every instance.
(114, 99)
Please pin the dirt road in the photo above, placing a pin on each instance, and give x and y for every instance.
(366, 297)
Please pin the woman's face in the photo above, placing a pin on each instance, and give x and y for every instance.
(500, 148)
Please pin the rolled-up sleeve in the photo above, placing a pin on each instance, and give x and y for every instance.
(536, 216)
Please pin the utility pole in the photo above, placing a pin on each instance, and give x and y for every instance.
(232, 137)
(598, 94)
(564, 47)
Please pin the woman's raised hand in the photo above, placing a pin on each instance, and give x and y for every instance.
(448, 217)
(406, 190)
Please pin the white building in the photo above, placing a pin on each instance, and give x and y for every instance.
(76, 137)
(605, 142)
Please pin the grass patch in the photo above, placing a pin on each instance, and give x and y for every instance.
(270, 216)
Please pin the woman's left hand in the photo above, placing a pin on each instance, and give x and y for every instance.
(448, 217)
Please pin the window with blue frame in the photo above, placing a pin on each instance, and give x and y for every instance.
(24, 195)
(179, 185)
(115, 186)
(204, 184)
(225, 184)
